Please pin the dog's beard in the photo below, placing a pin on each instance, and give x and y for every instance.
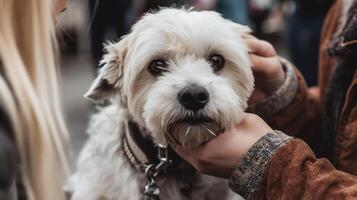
(171, 123)
(192, 131)
(191, 135)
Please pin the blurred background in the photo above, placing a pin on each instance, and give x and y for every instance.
(292, 26)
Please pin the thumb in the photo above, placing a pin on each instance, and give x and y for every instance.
(183, 153)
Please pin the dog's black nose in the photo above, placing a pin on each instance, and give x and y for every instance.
(193, 97)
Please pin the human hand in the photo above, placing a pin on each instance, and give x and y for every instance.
(219, 156)
(267, 69)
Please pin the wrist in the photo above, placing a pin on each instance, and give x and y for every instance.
(248, 175)
(281, 97)
(277, 80)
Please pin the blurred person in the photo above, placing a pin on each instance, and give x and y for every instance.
(258, 12)
(262, 163)
(109, 20)
(234, 10)
(32, 129)
(143, 6)
(155, 4)
(304, 30)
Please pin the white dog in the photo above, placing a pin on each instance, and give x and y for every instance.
(180, 77)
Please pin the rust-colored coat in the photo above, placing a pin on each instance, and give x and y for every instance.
(294, 172)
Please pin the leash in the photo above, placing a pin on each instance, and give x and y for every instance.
(152, 171)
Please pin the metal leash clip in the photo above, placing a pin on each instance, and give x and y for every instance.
(152, 171)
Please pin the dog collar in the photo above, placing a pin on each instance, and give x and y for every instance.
(146, 157)
(139, 150)
(142, 151)
(150, 159)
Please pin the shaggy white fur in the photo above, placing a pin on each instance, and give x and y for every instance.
(183, 41)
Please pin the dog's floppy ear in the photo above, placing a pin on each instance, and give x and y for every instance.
(109, 79)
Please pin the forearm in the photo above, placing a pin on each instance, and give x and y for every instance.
(279, 167)
(295, 172)
(248, 176)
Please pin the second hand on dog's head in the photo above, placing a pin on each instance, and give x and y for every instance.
(184, 75)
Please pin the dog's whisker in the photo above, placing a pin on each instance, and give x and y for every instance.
(163, 119)
(188, 130)
(209, 130)
(172, 116)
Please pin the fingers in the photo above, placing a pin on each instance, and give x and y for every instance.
(263, 56)
(187, 155)
(248, 36)
(182, 152)
(267, 68)
(260, 47)
(265, 65)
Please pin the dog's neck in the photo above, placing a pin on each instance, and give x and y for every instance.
(141, 151)
(144, 154)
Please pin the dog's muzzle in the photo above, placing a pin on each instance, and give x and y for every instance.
(192, 129)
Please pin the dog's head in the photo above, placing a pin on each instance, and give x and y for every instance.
(185, 75)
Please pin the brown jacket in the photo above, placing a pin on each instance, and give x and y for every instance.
(294, 172)
(303, 117)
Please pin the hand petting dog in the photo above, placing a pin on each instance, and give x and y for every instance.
(267, 69)
(219, 156)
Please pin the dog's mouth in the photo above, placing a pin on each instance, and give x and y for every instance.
(192, 130)
(195, 120)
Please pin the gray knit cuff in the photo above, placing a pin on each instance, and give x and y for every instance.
(248, 175)
(282, 97)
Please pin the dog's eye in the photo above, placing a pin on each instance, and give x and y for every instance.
(158, 66)
(217, 62)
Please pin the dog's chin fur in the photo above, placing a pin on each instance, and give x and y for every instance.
(188, 135)
(185, 39)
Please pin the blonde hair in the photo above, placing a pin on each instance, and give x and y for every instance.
(29, 93)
